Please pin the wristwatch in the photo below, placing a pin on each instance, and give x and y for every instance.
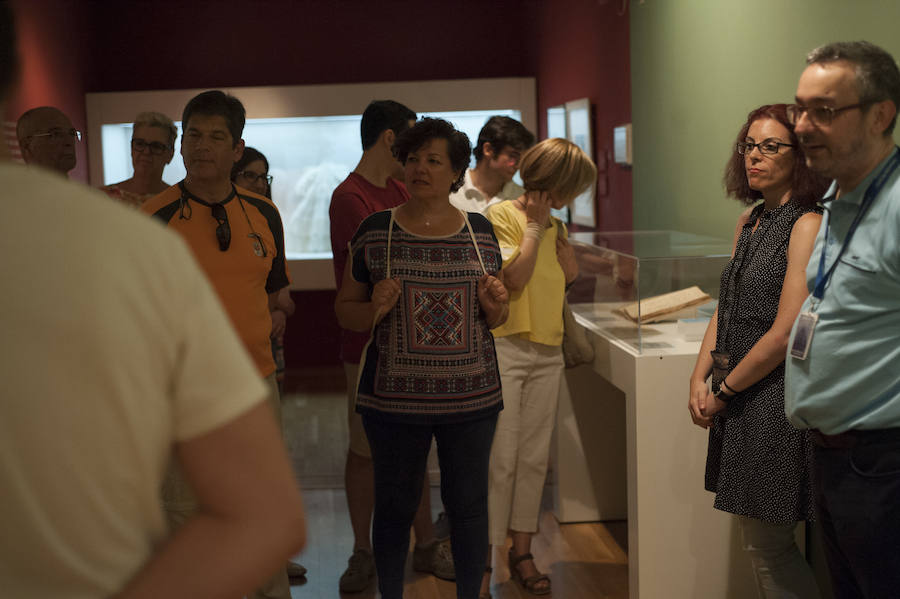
(722, 396)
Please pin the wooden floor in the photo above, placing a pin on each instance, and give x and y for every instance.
(584, 561)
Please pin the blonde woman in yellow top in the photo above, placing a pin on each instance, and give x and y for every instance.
(538, 263)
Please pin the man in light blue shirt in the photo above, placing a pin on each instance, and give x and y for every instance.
(847, 387)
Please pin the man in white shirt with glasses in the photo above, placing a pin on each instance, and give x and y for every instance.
(500, 144)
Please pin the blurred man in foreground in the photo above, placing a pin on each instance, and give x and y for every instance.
(139, 361)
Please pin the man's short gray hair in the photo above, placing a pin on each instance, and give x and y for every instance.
(877, 75)
(157, 119)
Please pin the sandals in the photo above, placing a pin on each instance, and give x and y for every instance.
(531, 583)
(487, 595)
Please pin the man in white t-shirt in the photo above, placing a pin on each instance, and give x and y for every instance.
(500, 145)
(116, 351)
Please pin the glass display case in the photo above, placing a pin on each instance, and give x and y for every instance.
(623, 274)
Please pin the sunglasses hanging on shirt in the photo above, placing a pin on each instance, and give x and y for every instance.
(223, 228)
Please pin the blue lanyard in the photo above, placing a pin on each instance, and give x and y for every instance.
(872, 191)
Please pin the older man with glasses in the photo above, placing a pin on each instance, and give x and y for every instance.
(47, 138)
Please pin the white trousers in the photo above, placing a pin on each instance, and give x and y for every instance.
(530, 375)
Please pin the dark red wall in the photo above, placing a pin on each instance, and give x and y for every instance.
(196, 44)
(581, 49)
(313, 337)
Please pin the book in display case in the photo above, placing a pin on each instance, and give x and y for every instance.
(635, 286)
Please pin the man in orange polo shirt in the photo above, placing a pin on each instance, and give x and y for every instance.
(237, 238)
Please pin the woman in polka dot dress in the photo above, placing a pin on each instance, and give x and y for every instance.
(757, 463)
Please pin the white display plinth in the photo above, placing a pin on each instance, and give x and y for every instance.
(679, 547)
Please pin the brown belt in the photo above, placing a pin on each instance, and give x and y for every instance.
(851, 438)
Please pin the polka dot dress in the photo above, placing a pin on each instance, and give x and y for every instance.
(757, 463)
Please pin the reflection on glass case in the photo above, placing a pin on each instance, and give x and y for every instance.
(622, 274)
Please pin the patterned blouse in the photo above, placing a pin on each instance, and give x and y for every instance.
(431, 358)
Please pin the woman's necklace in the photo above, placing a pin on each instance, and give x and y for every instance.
(434, 219)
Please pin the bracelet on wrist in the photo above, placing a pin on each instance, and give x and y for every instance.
(534, 230)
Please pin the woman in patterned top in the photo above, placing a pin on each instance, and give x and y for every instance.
(152, 148)
(757, 464)
(538, 264)
(421, 277)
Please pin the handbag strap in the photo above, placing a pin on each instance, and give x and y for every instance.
(387, 273)
(559, 227)
(474, 242)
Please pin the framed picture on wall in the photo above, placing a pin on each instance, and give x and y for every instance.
(556, 121)
(578, 131)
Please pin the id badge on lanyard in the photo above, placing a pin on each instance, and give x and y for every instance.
(806, 326)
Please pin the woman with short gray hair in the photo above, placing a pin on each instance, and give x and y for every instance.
(152, 148)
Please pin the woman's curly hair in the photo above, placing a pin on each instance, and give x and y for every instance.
(806, 187)
(458, 146)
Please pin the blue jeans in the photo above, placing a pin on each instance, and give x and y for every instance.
(856, 483)
(399, 455)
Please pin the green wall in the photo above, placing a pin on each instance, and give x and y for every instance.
(698, 67)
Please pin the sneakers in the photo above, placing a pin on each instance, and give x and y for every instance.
(359, 572)
(435, 558)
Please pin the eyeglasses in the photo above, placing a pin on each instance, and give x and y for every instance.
(59, 134)
(156, 148)
(819, 115)
(223, 230)
(766, 146)
(253, 177)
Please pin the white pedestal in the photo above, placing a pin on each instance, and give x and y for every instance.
(679, 547)
(588, 450)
